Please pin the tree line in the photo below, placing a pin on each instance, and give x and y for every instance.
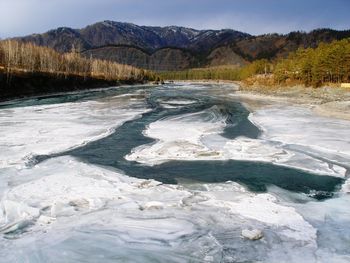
(328, 63)
(215, 73)
(262, 66)
(18, 57)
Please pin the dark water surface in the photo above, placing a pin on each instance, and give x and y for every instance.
(257, 176)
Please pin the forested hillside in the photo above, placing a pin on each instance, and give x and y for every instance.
(328, 63)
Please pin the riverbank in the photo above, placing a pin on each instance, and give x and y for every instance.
(326, 101)
(28, 84)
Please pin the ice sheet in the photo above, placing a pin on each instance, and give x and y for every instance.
(331, 218)
(326, 138)
(45, 129)
(67, 198)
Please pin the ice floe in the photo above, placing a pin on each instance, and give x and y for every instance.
(284, 141)
(346, 186)
(176, 103)
(179, 137)
(254, 234)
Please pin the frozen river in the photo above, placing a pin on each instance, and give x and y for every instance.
(172, 173)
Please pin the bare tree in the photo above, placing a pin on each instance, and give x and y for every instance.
(27, 57)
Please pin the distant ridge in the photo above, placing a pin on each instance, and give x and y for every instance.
(177, 48)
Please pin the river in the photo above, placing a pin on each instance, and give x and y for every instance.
(171, 173)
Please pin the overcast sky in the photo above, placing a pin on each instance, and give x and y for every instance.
(22, 17)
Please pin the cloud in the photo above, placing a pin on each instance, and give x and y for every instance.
(20, 17)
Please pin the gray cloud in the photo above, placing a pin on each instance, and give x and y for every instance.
(20, 17)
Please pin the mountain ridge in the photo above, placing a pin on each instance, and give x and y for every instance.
(177, 48)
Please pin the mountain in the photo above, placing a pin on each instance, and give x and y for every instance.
(156, 48)
(177, 48)
(271, 46)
